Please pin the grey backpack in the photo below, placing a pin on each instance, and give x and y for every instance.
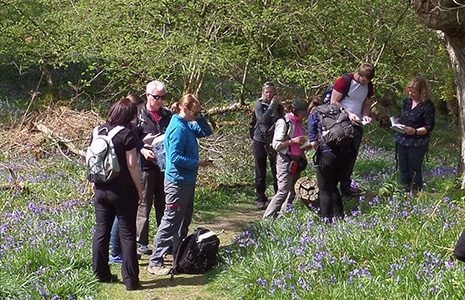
(337, 130)
(102, 163)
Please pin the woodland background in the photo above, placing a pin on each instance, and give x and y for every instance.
(86, 54)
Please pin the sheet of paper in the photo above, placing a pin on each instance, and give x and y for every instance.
(158, 147)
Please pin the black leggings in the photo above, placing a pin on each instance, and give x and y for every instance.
(331, 165)
(261, 151)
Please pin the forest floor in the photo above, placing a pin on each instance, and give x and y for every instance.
(185, 286)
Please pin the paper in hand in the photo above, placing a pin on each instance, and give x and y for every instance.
(396, 126)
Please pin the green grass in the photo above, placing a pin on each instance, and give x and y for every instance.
(391, 245)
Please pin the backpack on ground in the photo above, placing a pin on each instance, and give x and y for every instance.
(197, 253)
(102, 163)
(337, 129)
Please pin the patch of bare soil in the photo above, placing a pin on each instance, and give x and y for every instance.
(186, 286)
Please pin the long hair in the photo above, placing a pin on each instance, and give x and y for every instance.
(135, 98)
(422, 87)
(122, 112)
(188, 100)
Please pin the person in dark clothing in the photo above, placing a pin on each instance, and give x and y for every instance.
(153, 120)
(147, 153)
(268, 110)
(331, 164)
(119, 197)
(357, 103)
(418, 115)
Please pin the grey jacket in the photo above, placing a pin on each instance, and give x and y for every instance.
(267, 114)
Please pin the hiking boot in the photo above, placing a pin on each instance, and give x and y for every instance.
(112, 279)
(261, 205)
(351, 192)
(158, 270)
(116, 259)
(133, 287)
(143, 249)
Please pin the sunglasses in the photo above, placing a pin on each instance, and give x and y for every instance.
(158, 97)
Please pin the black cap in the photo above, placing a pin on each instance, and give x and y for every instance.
(300, 105)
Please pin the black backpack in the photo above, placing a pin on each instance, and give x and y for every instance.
(197, 253)
(337, 129)
(345, 93)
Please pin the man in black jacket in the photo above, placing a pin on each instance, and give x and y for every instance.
(153, 119)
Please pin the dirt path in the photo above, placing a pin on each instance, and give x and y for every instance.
(184, 286)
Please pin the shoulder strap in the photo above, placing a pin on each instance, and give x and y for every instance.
(348, 80)
(95, 132)
(287, 123)
(114, 131)
(370, 89)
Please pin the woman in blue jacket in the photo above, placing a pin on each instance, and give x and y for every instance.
(182, 164)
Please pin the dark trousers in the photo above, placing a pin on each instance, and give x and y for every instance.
(262, 152)
(346, 177)
(459, 251)
(109, 204)
(153, 193)
(330, 167)
(411, 165)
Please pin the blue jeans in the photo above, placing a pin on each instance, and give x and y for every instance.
(114, 240)
(179, 199)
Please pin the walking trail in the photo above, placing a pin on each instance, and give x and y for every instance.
(184, 286)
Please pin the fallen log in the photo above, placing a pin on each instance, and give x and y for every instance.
(54, 136)
(226, 109)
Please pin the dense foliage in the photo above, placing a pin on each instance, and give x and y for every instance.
(220, 49)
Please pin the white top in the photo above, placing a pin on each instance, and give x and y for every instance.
(353, 102)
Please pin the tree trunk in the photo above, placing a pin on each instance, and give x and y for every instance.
(448, 16)
(456, 49)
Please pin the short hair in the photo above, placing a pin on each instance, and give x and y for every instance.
(269, 85)
(188, 100)
(421, 85)
(122, 112)
(155, 84)
(367, 71)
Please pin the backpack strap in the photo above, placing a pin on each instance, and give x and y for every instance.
(95, 132)
(348, 80)
(114, 131)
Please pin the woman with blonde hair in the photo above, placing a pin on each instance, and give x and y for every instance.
(418, 116)
(182, 164)
(267, 110)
